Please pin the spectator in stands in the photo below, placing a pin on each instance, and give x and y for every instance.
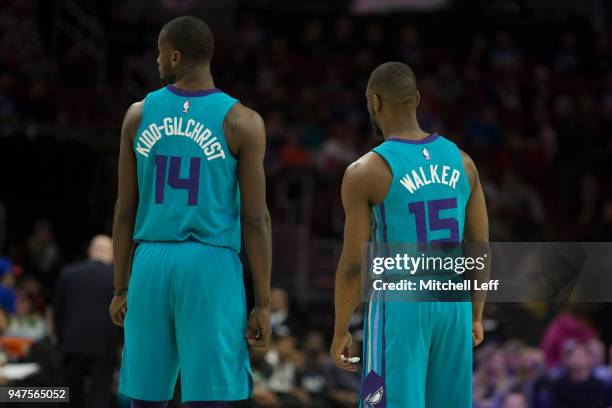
(292, 155)
(577, 388)
(483, 130)
(4, 321)
(2, 225)
(339, 150)
(409, 48)
(316, 364)
(505, 56)
(9, 113)
(43, 252)
(276, 128)
(32, 288)
(7, 285)
(264, 397)
(262, 370)
(27, 322)
(567, 58)
(514, 399)
(88, 340)
(285, 359)
(532, 378)
(571, 325)
(45, 352)
(3, 355)
(492, 379)
(281, 322)
(522, 205)
(601, 370)
(446, 87)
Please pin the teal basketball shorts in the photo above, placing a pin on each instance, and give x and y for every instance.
(417, 355)
(185, 313)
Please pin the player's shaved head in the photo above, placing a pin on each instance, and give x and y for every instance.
(185, 44)
(191, 37)
(392, 98)
(393, 82)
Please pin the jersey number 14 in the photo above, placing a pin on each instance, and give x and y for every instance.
(191, 183)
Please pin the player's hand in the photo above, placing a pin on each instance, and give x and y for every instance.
(477, 333)
(118, 309)
(341, 351)
(258, 329)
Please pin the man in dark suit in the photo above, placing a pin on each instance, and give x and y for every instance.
(88, 340)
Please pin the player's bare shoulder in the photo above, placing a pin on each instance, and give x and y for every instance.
(243, 126)
(134, 113)
(470, 168)
(131, 121)
(371, 175)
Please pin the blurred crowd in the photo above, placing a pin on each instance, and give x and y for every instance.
(533, 111)
(571, 367)
(530, 102)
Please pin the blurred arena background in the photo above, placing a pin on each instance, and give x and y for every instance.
(524, 86)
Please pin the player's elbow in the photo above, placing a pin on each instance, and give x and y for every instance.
(257, 221)
(351, 270)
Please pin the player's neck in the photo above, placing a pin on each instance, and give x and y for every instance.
(401, 124)
(409, 131)
(195, 80)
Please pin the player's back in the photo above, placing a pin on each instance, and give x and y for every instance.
(418, 342)
(428, 192)
(187, 183)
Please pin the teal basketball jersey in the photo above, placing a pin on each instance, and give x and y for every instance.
(418, 351)
(426, 200)
(187, 182)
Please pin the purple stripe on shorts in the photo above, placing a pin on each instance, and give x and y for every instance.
(382, 363)
(375, 334)
(384, 340)
(364, 355)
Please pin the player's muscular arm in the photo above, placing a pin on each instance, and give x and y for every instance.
(356, 197)
(476, 231)
(246, 135)
(125, 211)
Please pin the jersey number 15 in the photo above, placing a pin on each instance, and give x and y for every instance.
(435, 222)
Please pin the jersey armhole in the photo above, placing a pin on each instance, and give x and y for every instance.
(467, 174)
(387, 162)
(390, 168)
(144, 112)
(230, 106)
(458, 152)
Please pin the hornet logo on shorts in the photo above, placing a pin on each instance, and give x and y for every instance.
(373, 399)
(426, 154)
(186, 107)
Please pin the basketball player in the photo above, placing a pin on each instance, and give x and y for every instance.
(190, 170)
(416, 354)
